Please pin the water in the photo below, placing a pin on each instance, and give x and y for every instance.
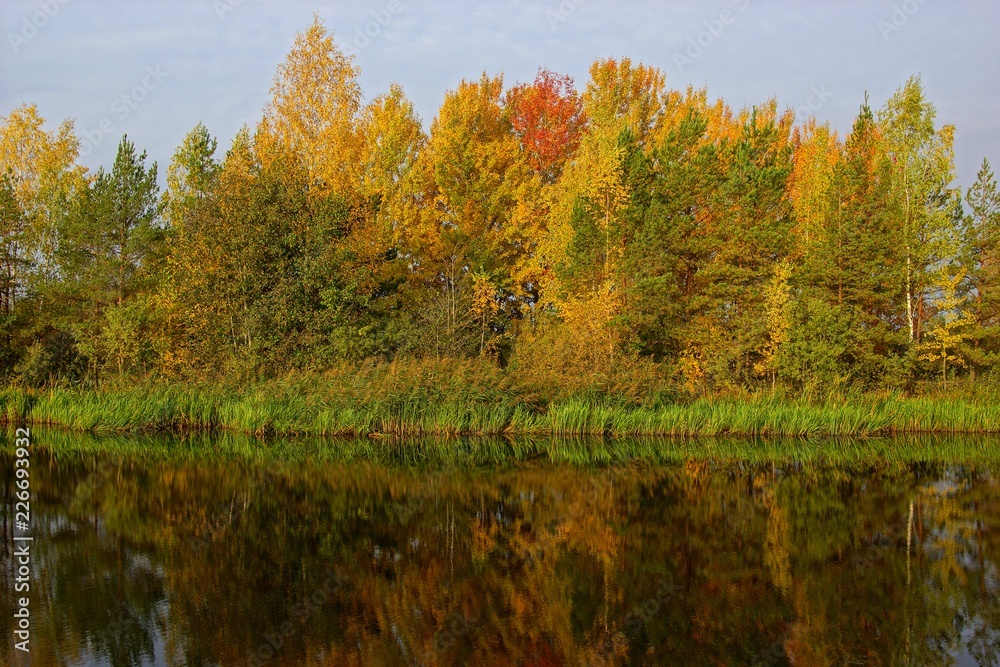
(165, 554)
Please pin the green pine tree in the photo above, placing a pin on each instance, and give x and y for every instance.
(980, 235)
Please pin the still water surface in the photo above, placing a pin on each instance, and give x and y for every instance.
(148, 558)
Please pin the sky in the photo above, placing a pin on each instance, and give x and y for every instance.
(153, 69)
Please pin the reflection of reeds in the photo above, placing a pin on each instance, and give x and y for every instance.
(411, 399)
(494, 452)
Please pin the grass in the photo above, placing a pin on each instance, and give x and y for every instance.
(279, 410)
(414, 399)
(498, 452)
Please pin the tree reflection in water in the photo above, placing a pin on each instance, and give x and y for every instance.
(168, 560)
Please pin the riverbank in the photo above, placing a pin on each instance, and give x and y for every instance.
(409, 405)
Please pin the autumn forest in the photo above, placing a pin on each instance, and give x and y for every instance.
(621, 233)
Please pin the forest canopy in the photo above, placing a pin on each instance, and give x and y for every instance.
(558, 232)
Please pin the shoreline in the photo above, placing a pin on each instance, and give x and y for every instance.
(282, 410)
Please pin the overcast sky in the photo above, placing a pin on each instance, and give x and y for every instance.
(154, 69)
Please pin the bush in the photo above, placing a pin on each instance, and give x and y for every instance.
(53, 359)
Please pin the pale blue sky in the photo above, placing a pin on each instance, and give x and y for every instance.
(214, 60)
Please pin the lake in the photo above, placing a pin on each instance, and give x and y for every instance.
(230, 551)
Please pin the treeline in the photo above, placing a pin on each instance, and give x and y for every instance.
(628, 230)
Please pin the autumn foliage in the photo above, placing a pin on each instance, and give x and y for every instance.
(577, 237)
(547, 117)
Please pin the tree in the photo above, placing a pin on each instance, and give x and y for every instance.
(221, 306)
(110, 258)
(671, 243)
(13, 264)
(821, 345)
(547, 118)
(623, 104)
(855, 265)
(186, 298)
(334, 250)
(392, 137)
(778, 315)
(586, 242)
(600, 191)
(752, 221)
(950, 330)
(39, 178)
(591, 233)
(620, 94)
(191, 178)
(125, 222)
(313, 112)
(390, 184)
(922, 160)
(980, 234)
(480, 215)
(44, 173)
(816, 152)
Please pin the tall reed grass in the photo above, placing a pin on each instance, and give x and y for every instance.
(420, 398)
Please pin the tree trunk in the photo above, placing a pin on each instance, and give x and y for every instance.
(909, 256)
(909, 293)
